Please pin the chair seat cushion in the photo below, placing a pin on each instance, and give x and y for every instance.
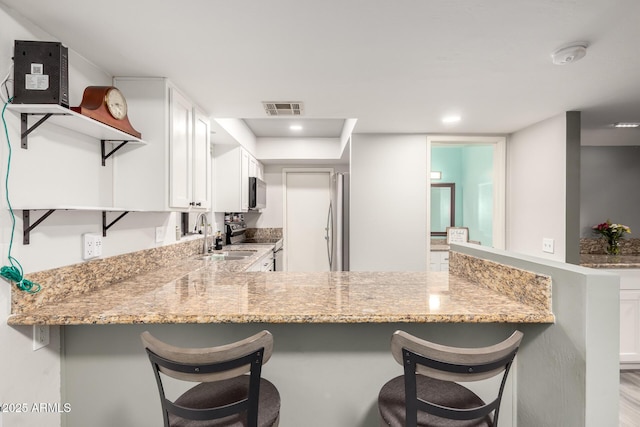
(212, 394)
(391, 402)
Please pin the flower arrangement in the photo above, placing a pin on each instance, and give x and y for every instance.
(613, 233)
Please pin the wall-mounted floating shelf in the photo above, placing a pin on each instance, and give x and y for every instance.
(28, 226)
(66, 118)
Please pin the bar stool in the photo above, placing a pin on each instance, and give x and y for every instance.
(226, 396)
(428, 394)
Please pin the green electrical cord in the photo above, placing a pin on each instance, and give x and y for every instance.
(14, 272)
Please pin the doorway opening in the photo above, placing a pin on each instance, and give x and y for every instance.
(475, 166)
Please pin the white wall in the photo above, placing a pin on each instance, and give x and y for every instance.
(310, 149)
(388, 202)
(536, 197)
(60, 167)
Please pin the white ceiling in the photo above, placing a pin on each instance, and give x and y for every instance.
(396, 66)
(281, 126)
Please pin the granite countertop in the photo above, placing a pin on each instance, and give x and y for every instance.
(175, 284)
(610, 261)
(207, 291)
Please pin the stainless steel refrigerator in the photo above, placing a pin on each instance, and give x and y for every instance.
(337, 230)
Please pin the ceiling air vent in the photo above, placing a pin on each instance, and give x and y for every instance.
(279, 108)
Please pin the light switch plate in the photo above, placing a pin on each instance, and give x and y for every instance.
(547, 245)
(160, 233)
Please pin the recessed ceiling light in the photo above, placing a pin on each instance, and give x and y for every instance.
(626, 125)
(451, 119)
(295, 127)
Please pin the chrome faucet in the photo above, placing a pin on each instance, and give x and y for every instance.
(202, 221)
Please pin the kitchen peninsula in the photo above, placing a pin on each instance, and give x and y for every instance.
(332, 333)
(193, 290)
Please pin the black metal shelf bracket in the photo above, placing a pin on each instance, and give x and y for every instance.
(106, 155)
(106, 226)
(26, 221)
(25, 130)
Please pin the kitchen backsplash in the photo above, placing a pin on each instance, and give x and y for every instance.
(264, 233)
(81, 278)
(523, 286)
(598, 246)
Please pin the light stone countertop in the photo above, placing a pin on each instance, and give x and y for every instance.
(206, 291)
(610, 261)
(173, 284)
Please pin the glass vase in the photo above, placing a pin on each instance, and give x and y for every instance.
(613, 247)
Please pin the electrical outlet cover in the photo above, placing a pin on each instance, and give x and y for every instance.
(92, 245)
(40, 336)
(160, 232)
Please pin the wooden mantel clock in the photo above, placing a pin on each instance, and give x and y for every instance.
(107, 105)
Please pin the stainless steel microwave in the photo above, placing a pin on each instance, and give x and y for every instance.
(257, 193)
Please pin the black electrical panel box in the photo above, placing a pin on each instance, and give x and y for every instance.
(40, 73)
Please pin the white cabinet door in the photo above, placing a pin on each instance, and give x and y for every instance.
(256, 169)
(180, 150)
(439, 261)
(176, 162)
(629, 316)
(629, 326)
(201, 175)
(260, 171)
(232, 169)
(244, 181)
(434, 263)
(253, 166)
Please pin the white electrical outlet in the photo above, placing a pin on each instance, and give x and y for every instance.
(160, 233)
(92, 245)
(547, 245)
(40, 336)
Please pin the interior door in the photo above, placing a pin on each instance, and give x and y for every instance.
(307, 198)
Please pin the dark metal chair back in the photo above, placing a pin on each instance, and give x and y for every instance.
(208, 365)
(420, 357)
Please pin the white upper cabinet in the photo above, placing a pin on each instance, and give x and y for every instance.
(180, 149)
(256, 169)
(233, 166)
(201, 161)
(172, 172)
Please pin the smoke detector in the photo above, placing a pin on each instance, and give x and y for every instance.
(569, 54)
(282, 108)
